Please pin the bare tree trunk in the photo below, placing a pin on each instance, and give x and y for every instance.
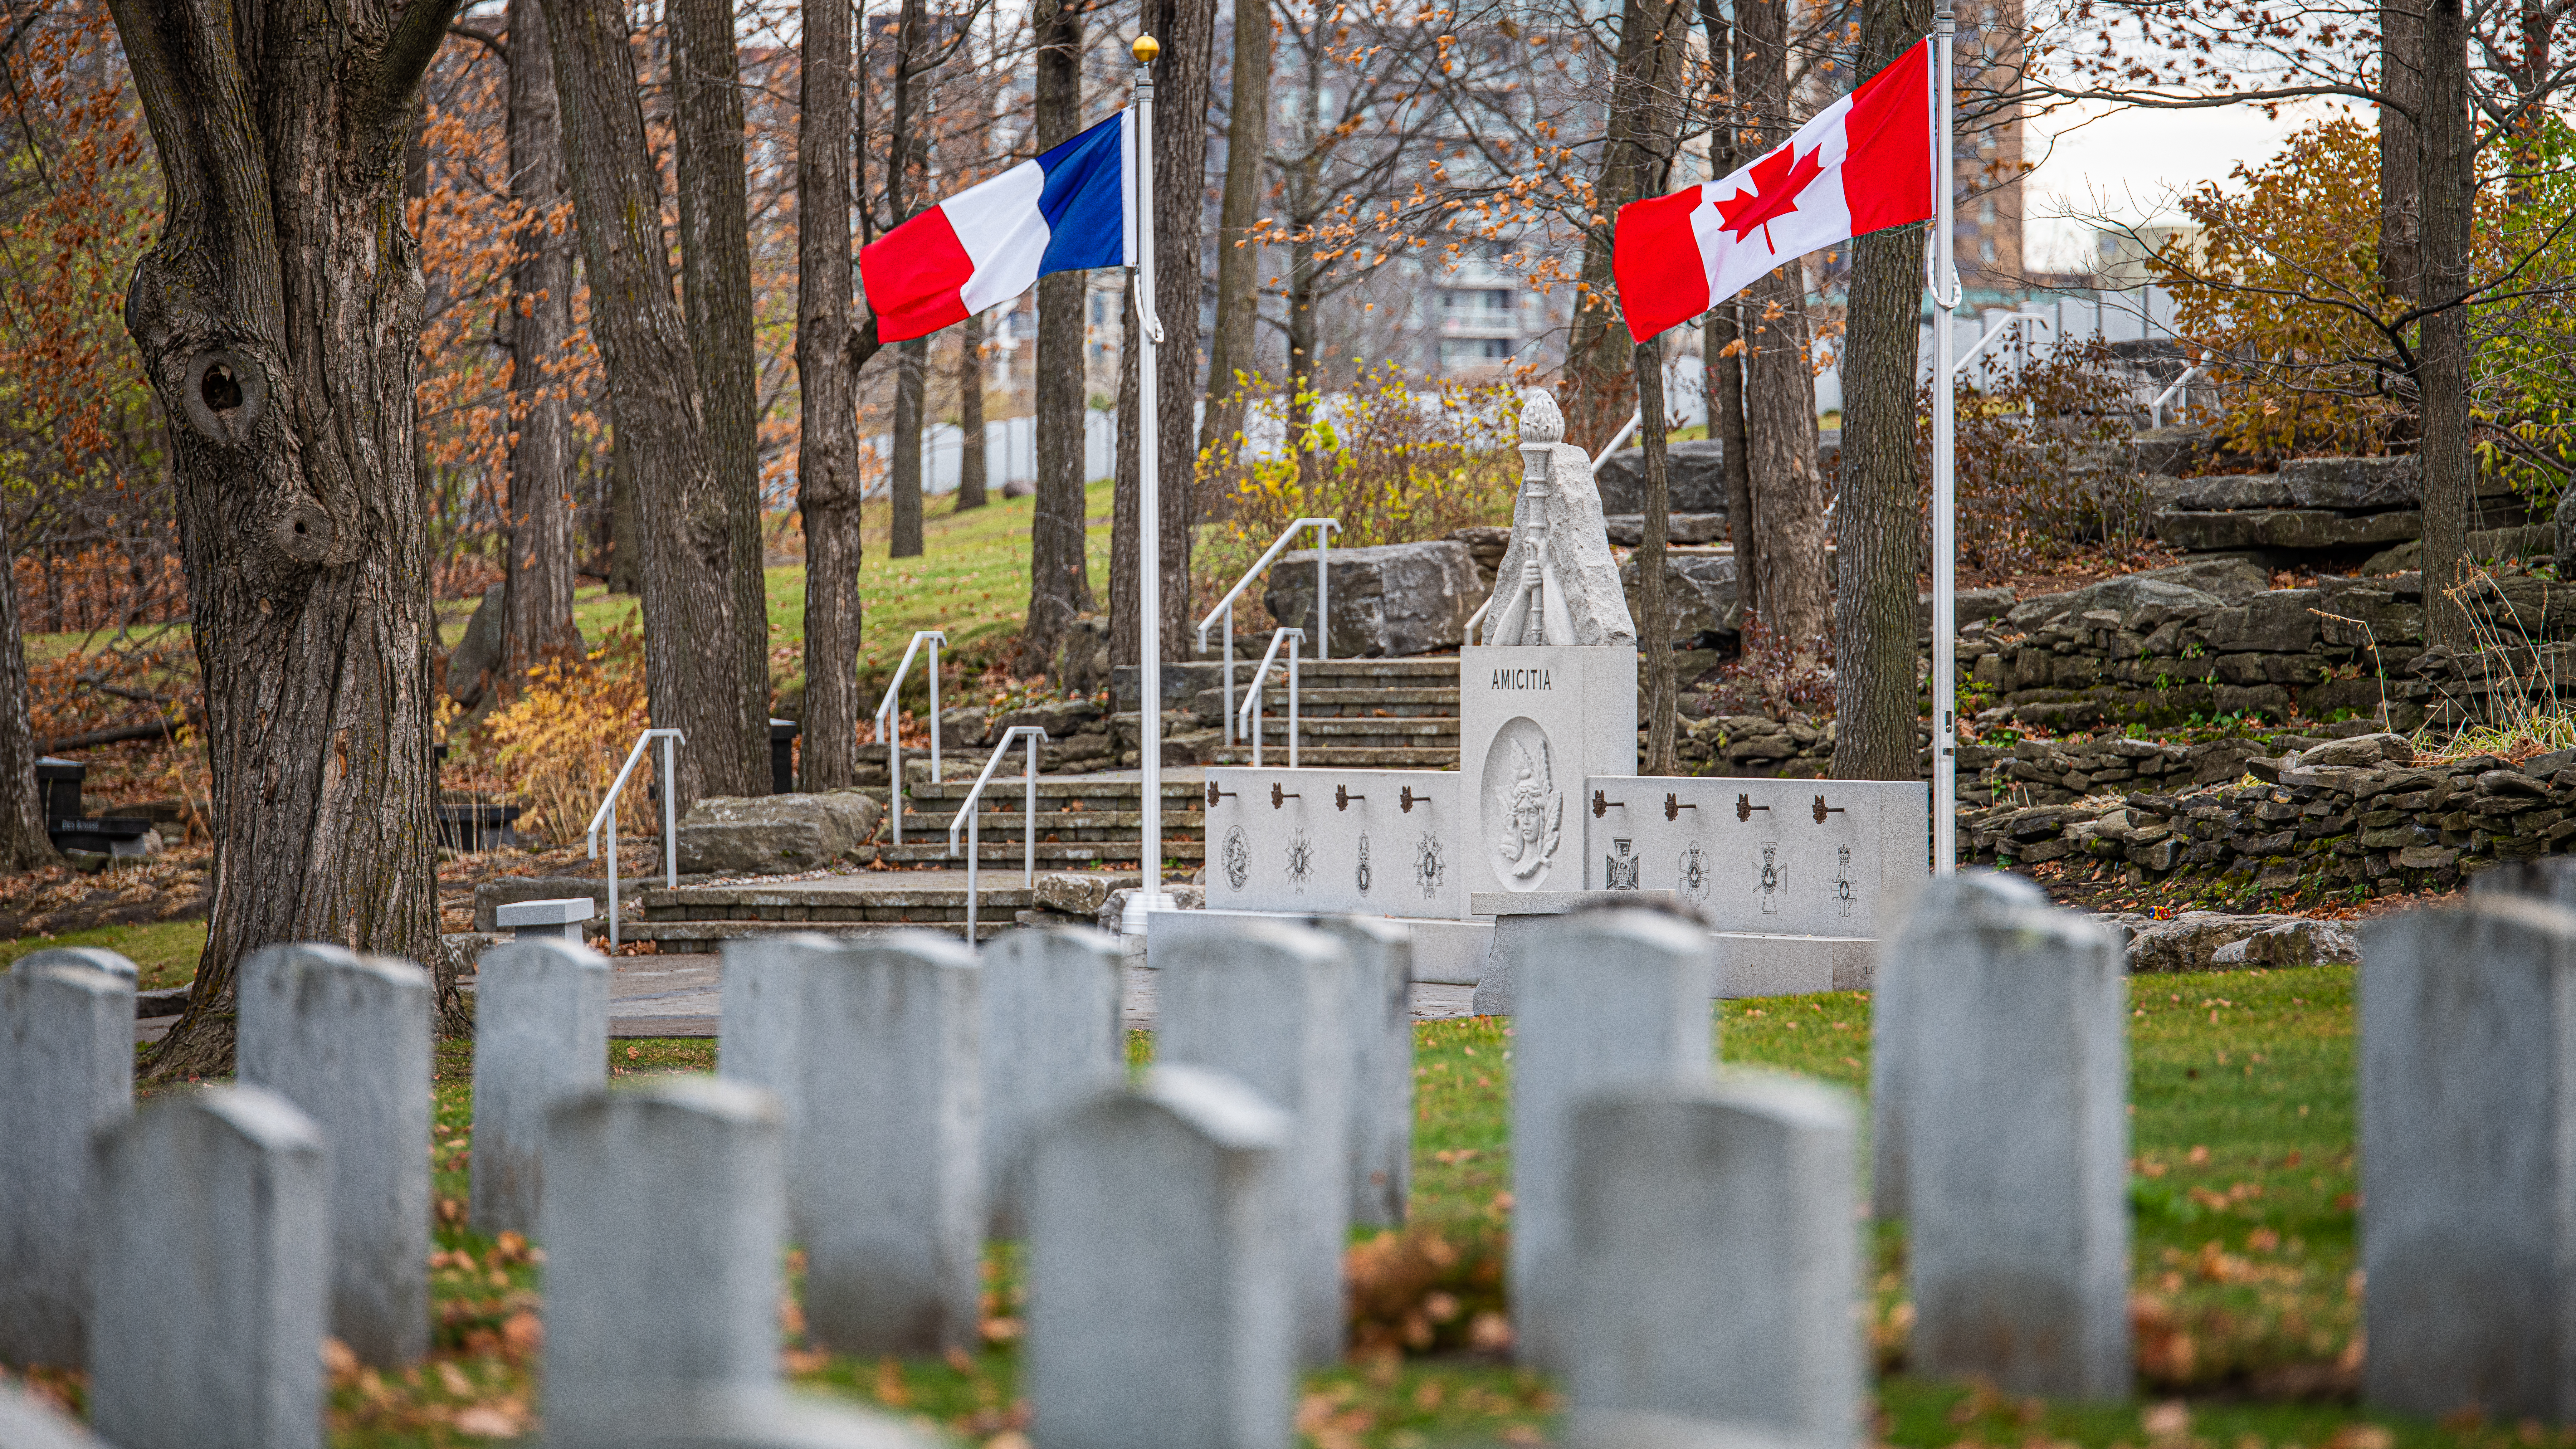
(827, 452)
(970, 414)
(1599, 380)
(1247, 137)
(2401, 79)
(715, 284)
(625, 545)
(1654, 596)
(278, 317)
(701, 654)
(23, 843)
(2448, 177)
(1779, 381)
(1124, 534)
(540, 562)
(1303, 382)
(1183, 83)
(1722, 349)
(906, 148)
(911, 360)
(1721, 335)
(1059, 571)
(1874, 534)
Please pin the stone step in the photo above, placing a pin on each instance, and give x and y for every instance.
(1346, 757)
(1425, 729)
(1349, 703)
(1054, 791)
(1429, 668)
(1069, 824)
(1055, 855)
(690, 938)
(827, 903)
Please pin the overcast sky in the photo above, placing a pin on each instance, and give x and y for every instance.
(2130, 164)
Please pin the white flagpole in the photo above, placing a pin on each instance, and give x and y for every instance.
(1943, 275)
(1149, 606)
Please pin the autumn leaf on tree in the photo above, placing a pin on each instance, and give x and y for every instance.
(1777, 180)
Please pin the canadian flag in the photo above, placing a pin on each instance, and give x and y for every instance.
(1863, 163)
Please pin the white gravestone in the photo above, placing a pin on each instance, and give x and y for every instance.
(66, 1072)
(1053, 1040)
(1160, 1310)
(890, 1118)
(548, 920)
(2468, 1101)
(1612, 999)
(1364, 842)
(1381, 1095)
(1267, 1004)
(27, 1422)
(1968, 900)
(346, 1038)
(663, 1221)
(540, 1039)
(2017, 1146)
(1717, 1257)
(211, 1274)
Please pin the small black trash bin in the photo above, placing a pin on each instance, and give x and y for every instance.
(782, 756)
(58, 786)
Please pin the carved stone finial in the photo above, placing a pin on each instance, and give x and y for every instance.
(1540, 420)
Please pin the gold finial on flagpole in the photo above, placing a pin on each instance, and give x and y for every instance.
(1145, 49)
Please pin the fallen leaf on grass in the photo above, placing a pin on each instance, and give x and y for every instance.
(500, 1419)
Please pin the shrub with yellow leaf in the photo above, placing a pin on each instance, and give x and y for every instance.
(558, 745)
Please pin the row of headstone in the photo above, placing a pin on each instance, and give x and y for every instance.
(1685, 1249)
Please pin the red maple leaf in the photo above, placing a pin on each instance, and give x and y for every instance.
(1777, 180)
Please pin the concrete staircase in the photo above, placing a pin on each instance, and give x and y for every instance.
(1355, 713)
(1083, 821)
(696, 919)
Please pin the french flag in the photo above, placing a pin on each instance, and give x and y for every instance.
(1071, 208)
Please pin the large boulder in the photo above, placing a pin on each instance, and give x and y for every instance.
(2355, 484)
(1388, 600)
(1694, 474)
(775, 834)
(1628, 530)
(2299, 528)
(1701, 587)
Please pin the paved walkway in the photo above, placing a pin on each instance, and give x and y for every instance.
(659, 996)
(677, 996)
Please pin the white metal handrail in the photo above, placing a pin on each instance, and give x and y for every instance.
(1252, 696)
(1478, 617)
(965, 816)
(1621, 436)
(1224, 610)
(607, 814)
(2008, 320)
(2156, 409)
(890, 726)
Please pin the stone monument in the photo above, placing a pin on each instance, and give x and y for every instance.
(1546, 813)
(1551, 696)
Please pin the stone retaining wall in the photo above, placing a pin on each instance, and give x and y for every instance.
(2338, 814)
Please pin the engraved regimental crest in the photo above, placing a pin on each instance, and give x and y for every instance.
(1619, 868)
(1429, 866)
(1362, 874)
(1843, 889)
(1524, 810)
(1238, 858)
(1693, 876)
(1766, 877)
(1301, 860)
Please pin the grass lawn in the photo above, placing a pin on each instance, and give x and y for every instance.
(972, 579)
(164, 953)
(2244, 1291)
